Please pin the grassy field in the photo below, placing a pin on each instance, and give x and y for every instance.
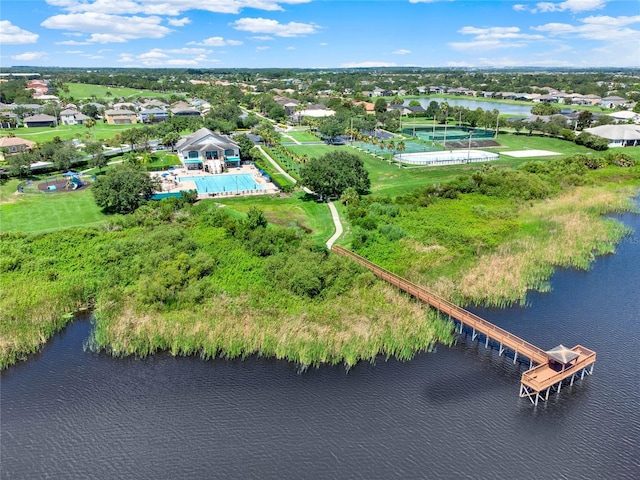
(298, 210)
(67, 132)
(302, 136)
(511, 141)
(45, 212)
(83, 90)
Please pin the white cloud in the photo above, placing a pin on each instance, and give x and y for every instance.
(216, 42)
(153, 54)
(429, 1)
(262, 38)
(367, 64)
(494, 38)
(14, 35)
(518, 7)
(290, 48)
(72, 42)
(178, 22)
(600, 28)
(105, 28)
(168, 7)
(323, 44)
(172, 57)
(573, 6)
(402, 51)
(273, 27)
(29, 56)
(260, 49)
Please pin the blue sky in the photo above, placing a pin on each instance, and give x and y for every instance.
(319, 33)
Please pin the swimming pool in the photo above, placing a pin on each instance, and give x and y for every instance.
(236, 182)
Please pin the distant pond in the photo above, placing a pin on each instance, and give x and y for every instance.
(505, 108)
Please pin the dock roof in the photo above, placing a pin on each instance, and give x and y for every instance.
(562, 354)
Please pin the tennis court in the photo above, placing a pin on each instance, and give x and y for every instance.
(442, 134)
(409, 147)
(454, 157)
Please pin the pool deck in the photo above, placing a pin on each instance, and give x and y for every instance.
(171, 183)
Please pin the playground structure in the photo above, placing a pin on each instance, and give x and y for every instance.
(56, 184)
(73, 183)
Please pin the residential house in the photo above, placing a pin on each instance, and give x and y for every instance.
(289, 104)
(625, 116)
(620, 135)
(314, 111)
(381, 92)
(437, 90)
(154, 103)
(124, 106)
(9, 120)
(185, 112)
(209, 151)
(40, 120)
(406, 110)
(13, 145)
(153, 115)
(120, 117)
(461, 91)
(39, 87)
(369, 107)
(612, 102)
(72, 117)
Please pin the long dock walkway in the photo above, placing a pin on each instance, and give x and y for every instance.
(537, 380)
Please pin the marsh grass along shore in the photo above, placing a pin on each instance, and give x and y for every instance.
(204, 280)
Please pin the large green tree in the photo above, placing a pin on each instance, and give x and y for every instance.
(334, 172)
(124, 188)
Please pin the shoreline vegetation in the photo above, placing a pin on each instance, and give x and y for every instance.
(210, 281)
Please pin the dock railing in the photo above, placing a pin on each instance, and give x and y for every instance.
(517, 344)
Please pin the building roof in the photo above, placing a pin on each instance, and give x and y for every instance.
(119, 112)
(15, 141)
(624, 115)
(616, 132)
(204, 136)
(40, 118)
(153, 111)
(562, 354)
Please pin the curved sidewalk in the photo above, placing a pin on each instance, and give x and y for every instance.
(332, 207)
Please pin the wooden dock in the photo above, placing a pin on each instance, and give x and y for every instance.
(536, 382)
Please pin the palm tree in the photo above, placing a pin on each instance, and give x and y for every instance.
(444, 107)
(391, 145)
(89, 123)
(382, 147)
(374, 142)
(401, 148)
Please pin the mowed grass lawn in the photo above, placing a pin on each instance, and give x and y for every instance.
(297, 210)
(67, 132)
(45, 212)
(511, 141)
(85, 90)
(303, 136)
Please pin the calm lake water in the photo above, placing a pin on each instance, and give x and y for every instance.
(454, 413)
(503, 108)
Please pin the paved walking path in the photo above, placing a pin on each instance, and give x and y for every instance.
(332, 207)
(336, 222)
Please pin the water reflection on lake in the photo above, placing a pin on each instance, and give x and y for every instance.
(454, 413)
(503, 108)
